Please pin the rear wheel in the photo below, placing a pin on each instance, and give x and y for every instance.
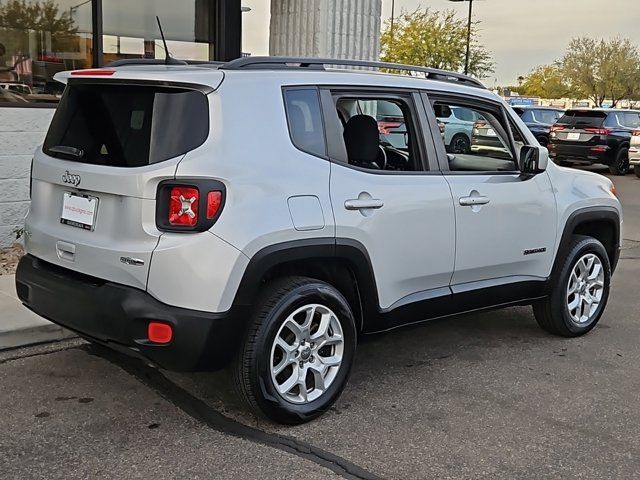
(580, 290)
(298, 351)
(636, 170)
(620, 166)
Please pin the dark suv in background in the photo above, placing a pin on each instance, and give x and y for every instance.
(594, 136)
(539, 120)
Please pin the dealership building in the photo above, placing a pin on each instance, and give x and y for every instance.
(40, 38)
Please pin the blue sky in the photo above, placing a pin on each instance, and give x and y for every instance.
(520, 34)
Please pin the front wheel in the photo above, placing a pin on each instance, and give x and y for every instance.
(298, 350)
(580, 290)
(620, 165)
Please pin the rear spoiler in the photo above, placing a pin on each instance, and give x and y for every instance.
(185, 76)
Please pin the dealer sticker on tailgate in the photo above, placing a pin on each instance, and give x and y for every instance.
(79, 211)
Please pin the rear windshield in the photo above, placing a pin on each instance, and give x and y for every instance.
(127, 125)
(583, 118)
(546, 116)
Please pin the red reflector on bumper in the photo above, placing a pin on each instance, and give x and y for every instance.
(159, 332)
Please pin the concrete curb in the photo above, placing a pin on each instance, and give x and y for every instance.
(18, 325)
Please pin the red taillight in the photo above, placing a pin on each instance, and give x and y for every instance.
(635, 133)
(183, 206)
(93, 71)
(600, 148)
(214, 200)
(598, 131)
(556, 128)
(159, 332)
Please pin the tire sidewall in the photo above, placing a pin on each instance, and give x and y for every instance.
(268, 398)
(622, 161)
(580, 248)
(464, 141)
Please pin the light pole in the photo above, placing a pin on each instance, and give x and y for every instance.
(466, 58)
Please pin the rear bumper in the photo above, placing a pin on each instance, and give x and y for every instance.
(117, 316)
(581, 154)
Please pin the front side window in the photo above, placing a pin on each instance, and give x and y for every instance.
(304, 118)
(37, 40)
(378, 133)
(479, 146)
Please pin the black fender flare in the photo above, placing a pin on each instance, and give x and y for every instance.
(585, 215)
(348, 251)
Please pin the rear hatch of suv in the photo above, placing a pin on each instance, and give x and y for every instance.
(580, 128)
(94, 182)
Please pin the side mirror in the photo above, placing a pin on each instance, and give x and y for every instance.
(533, 159)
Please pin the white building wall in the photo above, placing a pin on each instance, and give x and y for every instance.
(21, 131)
(326, 28)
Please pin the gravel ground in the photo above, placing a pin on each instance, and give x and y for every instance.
(9, 258)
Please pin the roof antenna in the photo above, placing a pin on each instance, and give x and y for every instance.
(168, 59)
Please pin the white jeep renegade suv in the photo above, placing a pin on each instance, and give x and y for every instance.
(257, 211)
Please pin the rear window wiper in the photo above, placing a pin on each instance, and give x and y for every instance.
(65, 150)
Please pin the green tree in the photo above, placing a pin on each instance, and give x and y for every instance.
(40, 16)
(601, 69)
(546, 81)
(434, 39)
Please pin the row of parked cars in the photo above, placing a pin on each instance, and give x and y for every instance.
(574, 137)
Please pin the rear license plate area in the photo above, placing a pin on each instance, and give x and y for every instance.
(79, 210)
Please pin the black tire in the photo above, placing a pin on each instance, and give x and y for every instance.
(253, 380)
(636, 170)
(620, 166)
(460, 143)
(543, 141)
(552, 313)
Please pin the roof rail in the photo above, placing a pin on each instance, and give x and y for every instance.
(274, 63)
(158, 61)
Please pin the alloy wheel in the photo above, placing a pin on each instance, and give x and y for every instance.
(306, 353)
(585, 288)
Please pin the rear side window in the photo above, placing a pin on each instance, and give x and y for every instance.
(127, 125)
(624, 119)
(305, 120)
(583, 118)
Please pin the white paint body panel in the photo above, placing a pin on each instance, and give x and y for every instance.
(491, 239)
(410, 240)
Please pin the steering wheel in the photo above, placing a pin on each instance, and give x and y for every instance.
(384, 158)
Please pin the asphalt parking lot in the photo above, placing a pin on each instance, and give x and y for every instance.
(482, 396)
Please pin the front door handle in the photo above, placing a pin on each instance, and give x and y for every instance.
(473, 200)
(362, 203)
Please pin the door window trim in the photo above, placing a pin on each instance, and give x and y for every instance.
(430, 97)
(427, 155)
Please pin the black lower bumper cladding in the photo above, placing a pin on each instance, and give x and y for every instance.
(117, 316)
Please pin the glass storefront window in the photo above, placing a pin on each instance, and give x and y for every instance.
(130, 29)
(39, 38)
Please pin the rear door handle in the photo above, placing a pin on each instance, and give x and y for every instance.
(473, 200)
(362, 204)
